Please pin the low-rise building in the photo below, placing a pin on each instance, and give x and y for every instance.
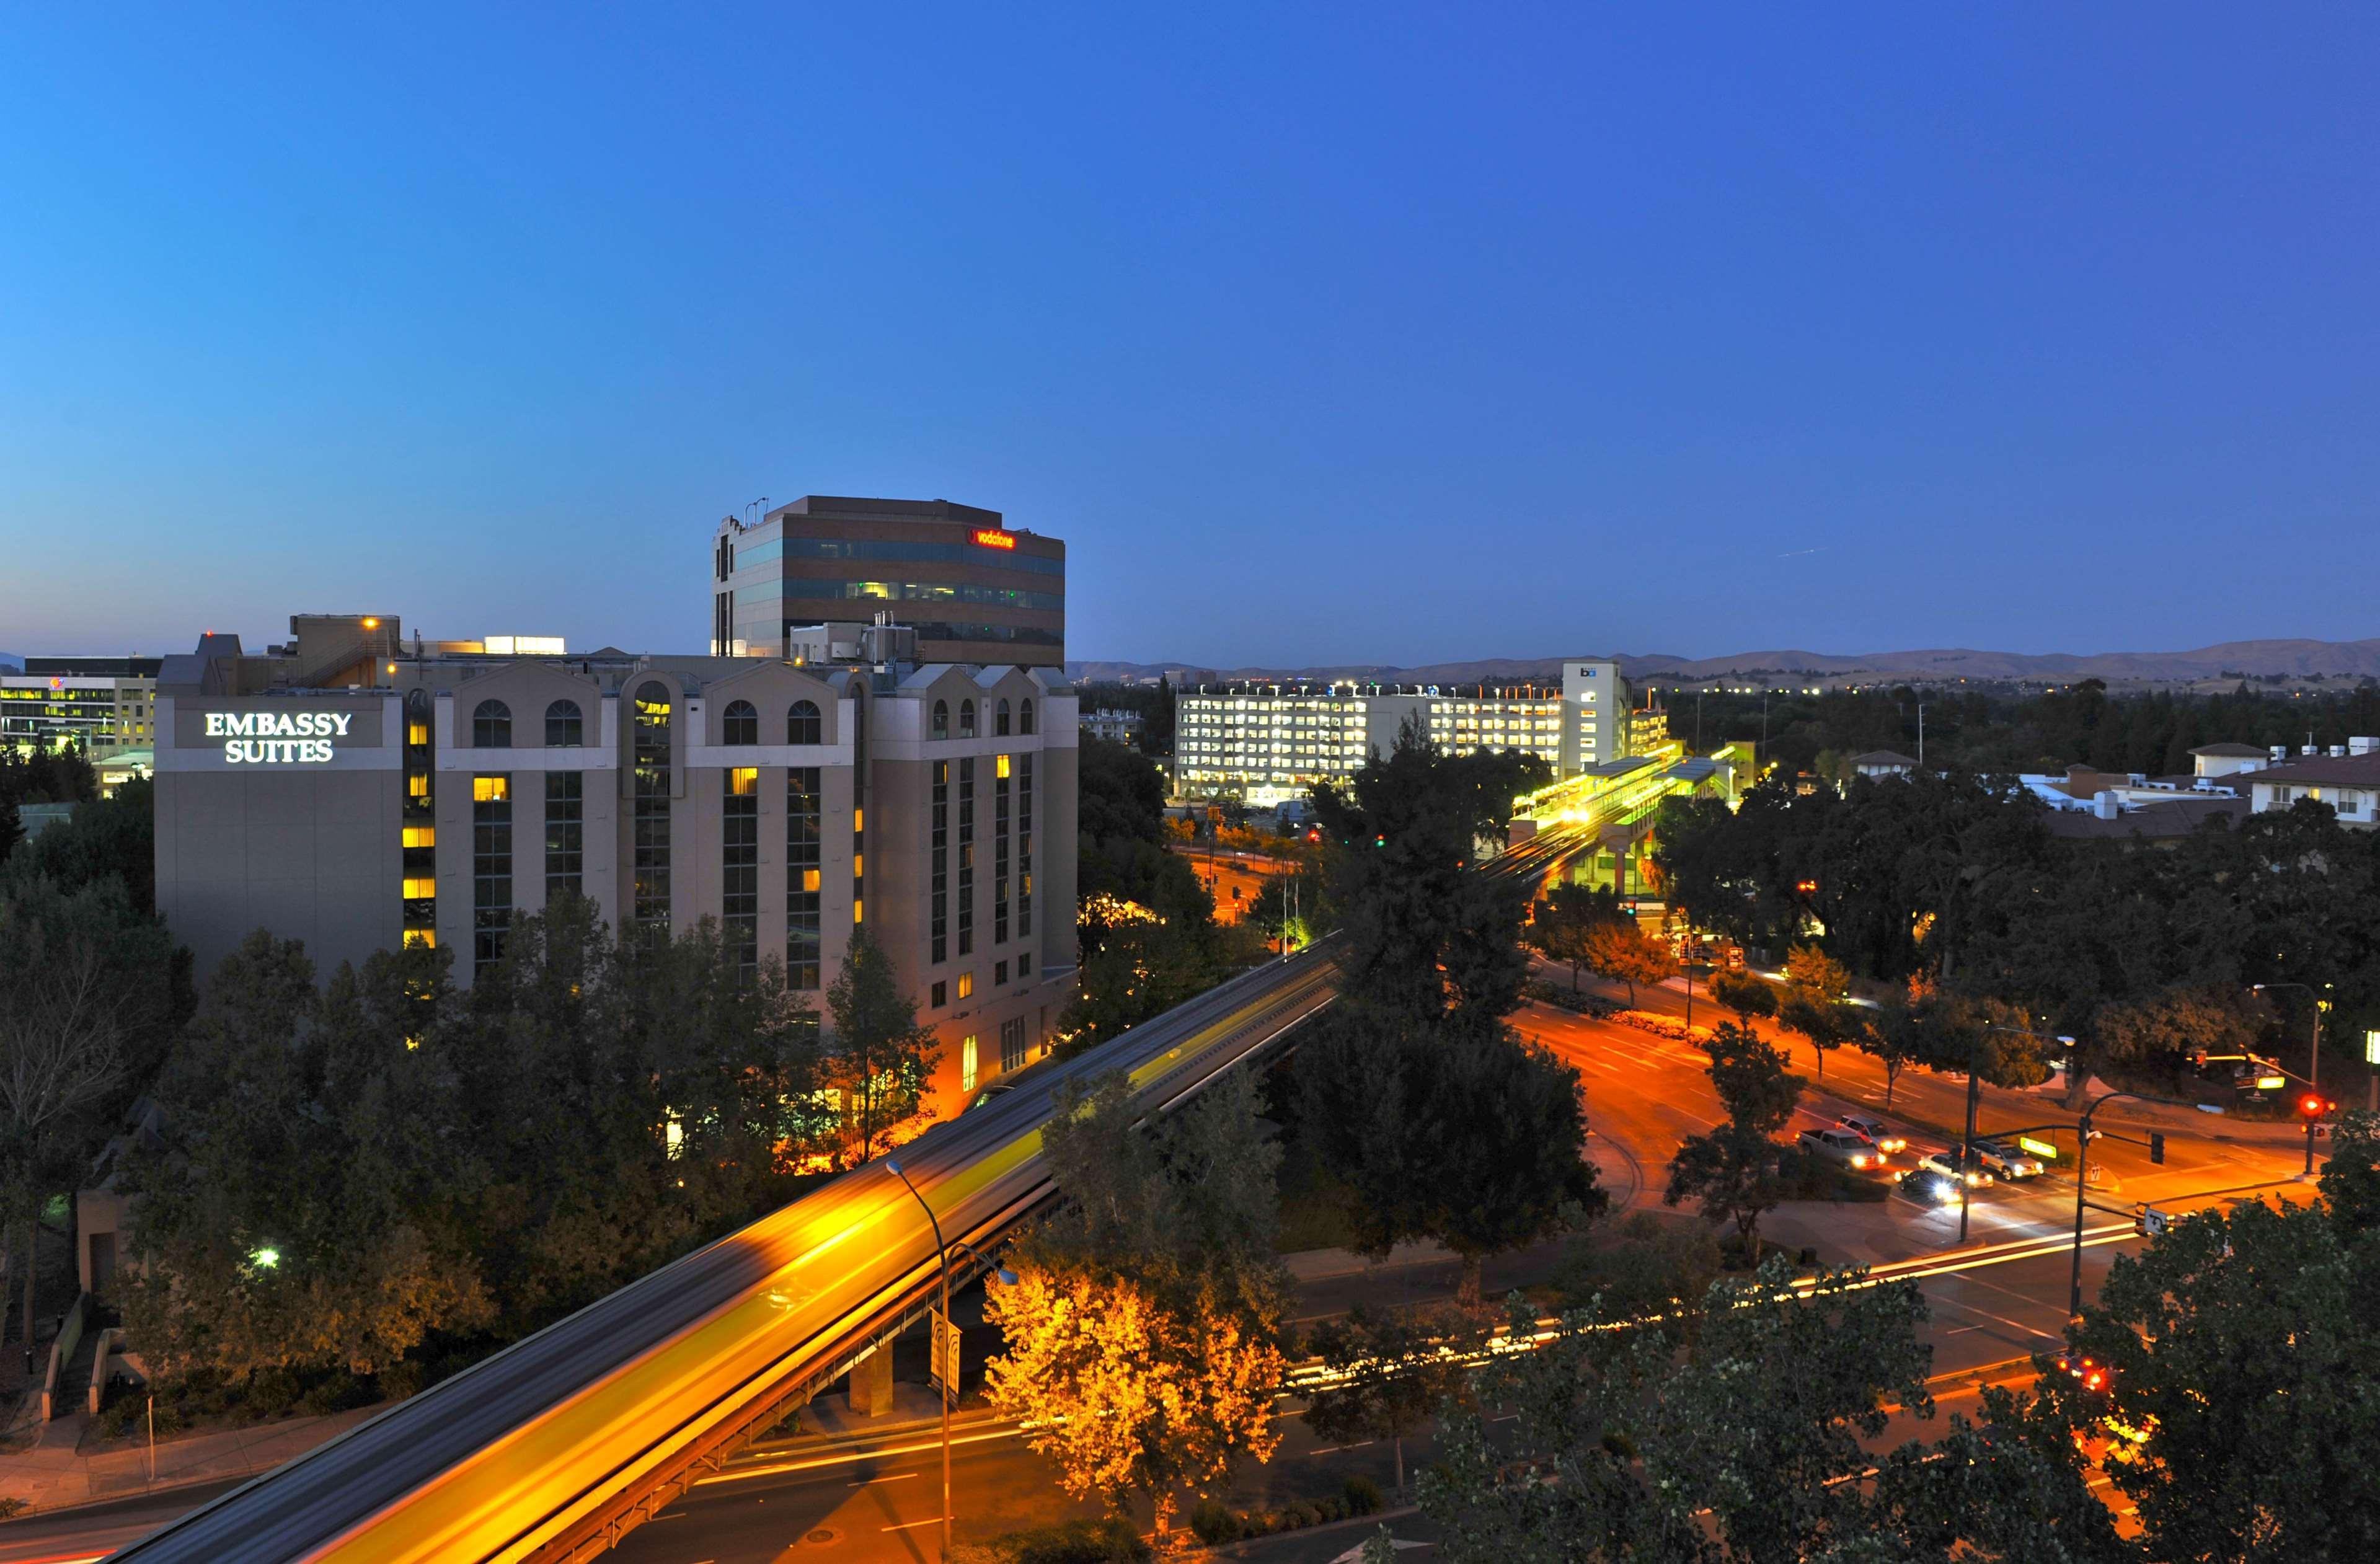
(1883, 763)
(2348, 779)
(1115, 726)
(356, 794)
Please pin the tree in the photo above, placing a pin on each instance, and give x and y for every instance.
(1140, 968)
(878, 1059)
(90, 997)
(350, 1174)
(2246, 1341)
(1426, 937)
(1736, 1170)
(105, 838)
(1387, 1372)
(1562, 924)
(1478, 1143)
(1143, 1329)
(1632, 1444)
(1623, 953)
(12, 829)
(1745, 993)
(1812, 1002)
(303, 1217)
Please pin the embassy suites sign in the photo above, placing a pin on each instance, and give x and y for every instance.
(278, 738)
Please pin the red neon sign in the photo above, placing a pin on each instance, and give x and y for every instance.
(992, 537)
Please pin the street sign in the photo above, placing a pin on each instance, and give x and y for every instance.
(2040, 1149)
(2372, 1047)
(2149, 1223)
(942, 1351)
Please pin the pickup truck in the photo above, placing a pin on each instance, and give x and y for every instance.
(1843, 1145)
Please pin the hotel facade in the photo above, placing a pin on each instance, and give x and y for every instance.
(1269, 743)
(358, 794)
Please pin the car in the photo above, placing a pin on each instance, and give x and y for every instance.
(1874, 1130)
(1853, 1151)
(1928, 1187)
(1946, 1164)
(2008, 1161)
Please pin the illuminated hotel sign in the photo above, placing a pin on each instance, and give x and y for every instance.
(992, 537)
(278, 739)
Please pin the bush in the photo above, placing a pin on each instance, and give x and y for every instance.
(1362, 1495)
(1213, 1523)
(1111, 1541)
(1329, 1510)
(1660, 1025)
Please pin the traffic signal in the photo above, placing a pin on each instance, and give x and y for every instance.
(2157, 1146)
(1381, 841)
(2311, 1107)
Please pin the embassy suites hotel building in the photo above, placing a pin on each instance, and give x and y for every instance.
(358, 791)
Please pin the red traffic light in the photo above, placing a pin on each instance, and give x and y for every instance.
(2314, 1107)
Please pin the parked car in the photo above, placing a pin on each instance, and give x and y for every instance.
(1874, 1130)
(1946, 1164)
(1928, 1187)
(1854, 1151)
(2008, 1161)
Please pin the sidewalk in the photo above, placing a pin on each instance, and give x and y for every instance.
(53, 1470)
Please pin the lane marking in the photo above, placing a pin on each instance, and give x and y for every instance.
(930, 1521)
(887, 1477)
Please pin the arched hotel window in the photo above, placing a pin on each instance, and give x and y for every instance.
(967, 719)
(1024, 716)
(491, 725)
(743, 723)
(941, 719)
(565, 727)
(650, 784)
(802, 725)
(1000, 718)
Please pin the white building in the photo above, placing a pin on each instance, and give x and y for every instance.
(1114, 726)
(1269, 743)
(2348, 779)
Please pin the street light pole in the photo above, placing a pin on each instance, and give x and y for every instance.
(2082, 1180)
(2314, 1059)
(1974, 1097)
(942, 1253)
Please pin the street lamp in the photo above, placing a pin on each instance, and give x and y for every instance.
(2314, 1059)
(1974, 1094)
(942, 1253)
(2083, 1182)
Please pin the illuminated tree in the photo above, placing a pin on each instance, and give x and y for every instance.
(878, 1057)
(1143, 1329)
(1624, 953)
(1745, 993)
(1127, 1389)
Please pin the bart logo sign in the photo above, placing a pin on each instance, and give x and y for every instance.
(278, 739)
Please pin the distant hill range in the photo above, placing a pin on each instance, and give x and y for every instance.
(11, 662)
(2227, 660)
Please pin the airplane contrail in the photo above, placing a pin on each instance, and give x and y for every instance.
(1793, 554)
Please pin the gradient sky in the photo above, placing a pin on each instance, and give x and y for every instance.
(1349, 334)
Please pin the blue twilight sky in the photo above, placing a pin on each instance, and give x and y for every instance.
(1348, 332)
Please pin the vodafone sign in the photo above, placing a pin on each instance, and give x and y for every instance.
(278, 738)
